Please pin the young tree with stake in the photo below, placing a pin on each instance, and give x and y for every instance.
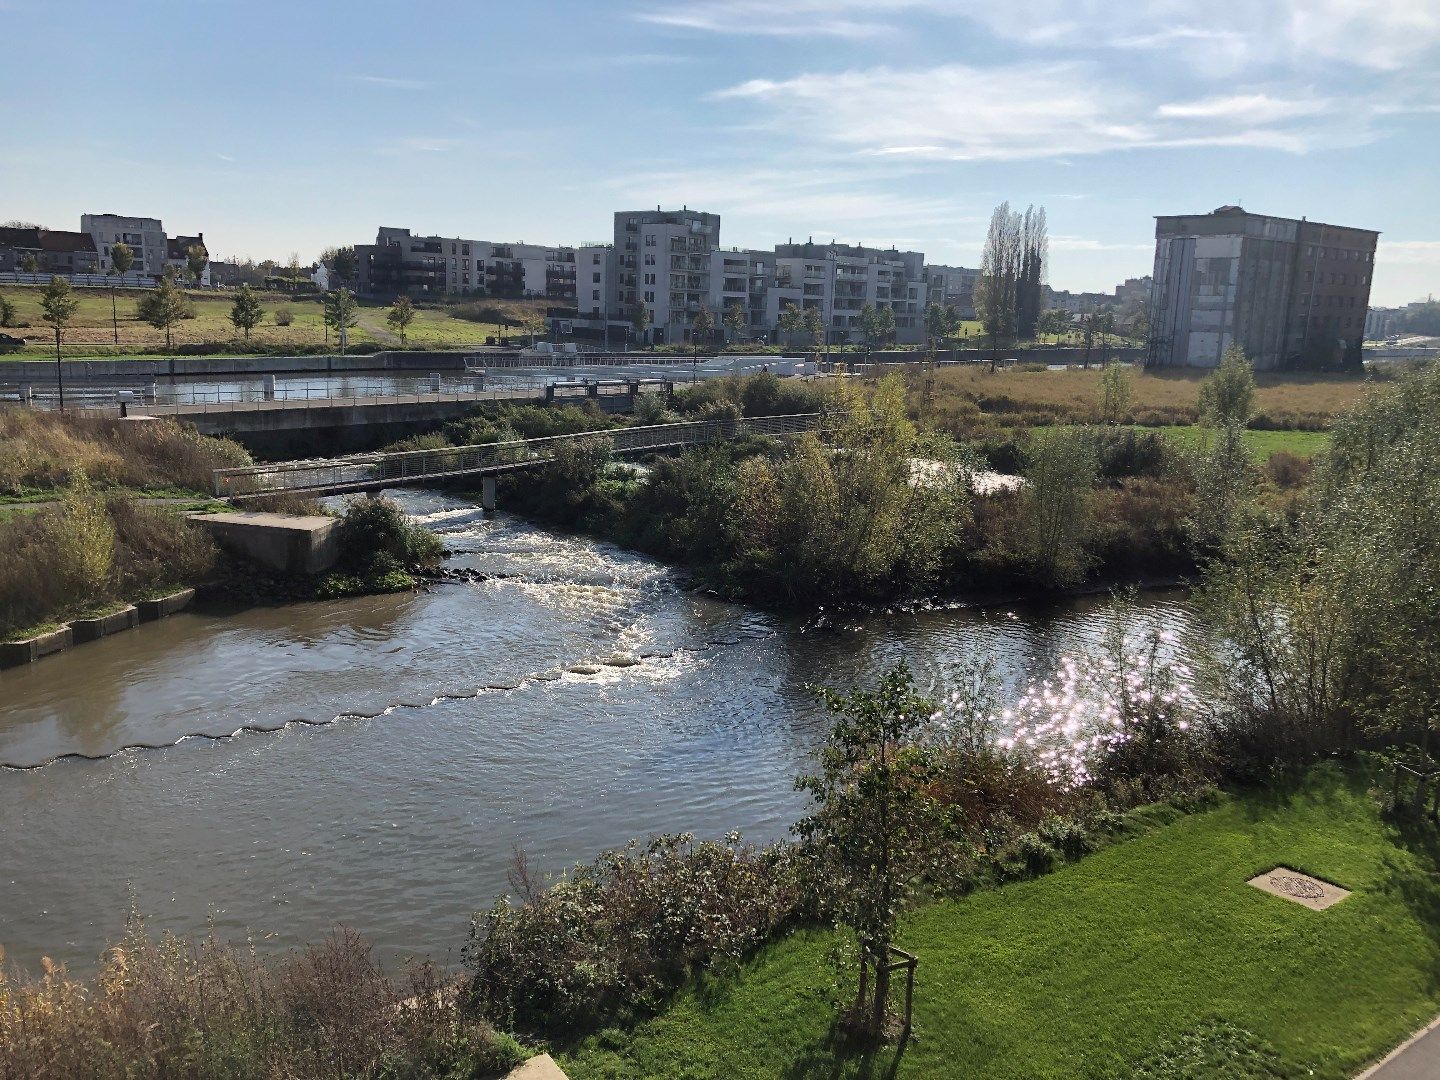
(121, 259)
(58, 306)
(400, 316)
(245, 311)
(339, 314)
(165, 306)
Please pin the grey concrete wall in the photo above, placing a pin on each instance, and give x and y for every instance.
(292, 545)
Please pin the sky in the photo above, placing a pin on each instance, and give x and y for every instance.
(290, 127)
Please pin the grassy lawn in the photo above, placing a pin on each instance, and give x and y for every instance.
(91, 334)
(1151, 950)
(1261, 443)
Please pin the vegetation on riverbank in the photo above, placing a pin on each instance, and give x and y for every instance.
(1146, 959)
(163, 1008)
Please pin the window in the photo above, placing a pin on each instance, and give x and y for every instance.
(649, 297)
(594, 294)
(595, 278)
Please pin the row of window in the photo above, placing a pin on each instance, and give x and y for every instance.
(1343, 254)
(1337, 279)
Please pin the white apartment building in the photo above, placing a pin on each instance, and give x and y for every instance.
(663, 260)
(594, 272)
(399, 262)
(952, 286)
(741, 277)
(840, 279)
(144, 236)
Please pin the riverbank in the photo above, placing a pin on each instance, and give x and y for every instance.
(1151, 957)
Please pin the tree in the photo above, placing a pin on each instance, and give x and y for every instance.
(1115, 392)
(869, 327)
(339, 314)
(121, 259)
(58, 306)
(886, 315)
(814, 324)
(1030, 281)
(1229, 393)
(1056, 505)
(164, 306)
(874, 822)
(736, 320)
(1000, 264)
(400, 316)
(792, 321)
(342, 263)
(196, 259)
(640, 319)
(294, 268)
(29, 263)
(245, 311)
(7, 312)
(703, 325)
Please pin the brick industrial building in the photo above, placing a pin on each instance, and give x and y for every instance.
(1291, 293)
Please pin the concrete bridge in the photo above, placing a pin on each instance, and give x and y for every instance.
(371, 472)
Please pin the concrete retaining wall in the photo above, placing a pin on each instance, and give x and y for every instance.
(15, 653)
(150, 610)
(93, 629)
(290, 544)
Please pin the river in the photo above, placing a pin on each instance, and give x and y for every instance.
(437, 732)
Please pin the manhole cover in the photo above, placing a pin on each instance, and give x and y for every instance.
(1302, 888)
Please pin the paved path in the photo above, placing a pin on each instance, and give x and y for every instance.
(1418, 1058)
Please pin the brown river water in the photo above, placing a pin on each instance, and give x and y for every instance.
(436, 732)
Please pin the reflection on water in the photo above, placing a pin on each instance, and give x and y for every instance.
(452, 725)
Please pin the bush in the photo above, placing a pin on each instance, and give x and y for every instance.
(1286, 470)
(618, 935)
(377, 540)
(163, 1008)
(284, 316)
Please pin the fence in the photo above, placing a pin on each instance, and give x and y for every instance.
(370, 471)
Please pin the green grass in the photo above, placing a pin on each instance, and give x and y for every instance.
(1260, 443)
(91, 332)
(1149, 955)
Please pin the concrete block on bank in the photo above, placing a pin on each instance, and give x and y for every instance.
(127, 618)
(150, 610)
(27, 651)
(292, 544)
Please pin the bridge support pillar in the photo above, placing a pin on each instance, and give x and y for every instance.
(487, 495)
(269, 388)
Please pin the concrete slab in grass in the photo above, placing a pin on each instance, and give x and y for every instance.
(540, 1067)
(1301, 888)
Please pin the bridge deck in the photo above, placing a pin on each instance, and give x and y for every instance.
(369, 472)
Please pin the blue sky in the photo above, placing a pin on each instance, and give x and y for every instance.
(280, 127)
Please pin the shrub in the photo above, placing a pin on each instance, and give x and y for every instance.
(163, 1008)
(376, 539)
(1286, 470)
(284, 316)
(618, 935)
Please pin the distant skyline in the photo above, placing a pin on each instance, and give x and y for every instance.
(292, 127)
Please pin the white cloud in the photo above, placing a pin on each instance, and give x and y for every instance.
(1407, 251)
(959, 112)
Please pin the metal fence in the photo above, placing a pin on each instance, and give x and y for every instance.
(370, 471)
(190, 399)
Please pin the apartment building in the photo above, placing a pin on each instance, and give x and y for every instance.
(1291, 293)
(952, 286)
(594, 273)
(143, 235)
(742, 276)
(663, 259)
(400, 262)
(841, 279)
(54, 251)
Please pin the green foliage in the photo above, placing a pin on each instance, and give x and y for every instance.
(196, 259)
(1213, 1050)
(1228, 395)
(615, 937)
(7, 312)
(703, 326)
(58, 305)
(736, 321)
(1115, 392)
(873, 821)
(284, 315)
(339, 313)
(122, 258)
(164, 307)
(245, 311)
(1057, 505)
(400, 316)
(376, 538)
(1225, 483)
(814, 324)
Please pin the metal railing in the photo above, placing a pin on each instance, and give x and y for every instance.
(363, 472)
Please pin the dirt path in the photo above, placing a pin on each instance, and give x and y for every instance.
(385, 337)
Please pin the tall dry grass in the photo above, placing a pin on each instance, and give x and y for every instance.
(969, 399)
(41, 449)
(163, 1008)
(88, 552)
